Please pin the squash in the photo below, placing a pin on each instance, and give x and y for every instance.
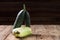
(22, 31)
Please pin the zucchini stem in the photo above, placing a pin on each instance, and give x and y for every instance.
(24, 7)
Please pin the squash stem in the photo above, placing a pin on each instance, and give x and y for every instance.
(24, 7)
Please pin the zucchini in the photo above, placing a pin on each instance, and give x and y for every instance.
(22, 15)
(19, 19)
(27, 19)
(22, 31)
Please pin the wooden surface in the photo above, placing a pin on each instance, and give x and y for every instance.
(39, 32)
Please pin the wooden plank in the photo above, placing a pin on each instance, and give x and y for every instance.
(30, 38)
(11, 37)
(44, 32)
(46, 29)
(2, 27)
(39, 32)
(44, 37)
(5, 32)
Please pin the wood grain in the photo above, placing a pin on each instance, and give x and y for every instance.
(39, 32)
(5, 32)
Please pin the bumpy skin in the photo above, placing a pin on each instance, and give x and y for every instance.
(22, 31)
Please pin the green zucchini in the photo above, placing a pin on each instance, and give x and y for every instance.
(27, 19)
(22, 15)
(19, 19)
(22, 31)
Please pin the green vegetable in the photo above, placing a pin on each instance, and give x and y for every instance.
(22, 31)
(19, 19)
(27, 19)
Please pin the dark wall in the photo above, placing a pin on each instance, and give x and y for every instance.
(41, 11)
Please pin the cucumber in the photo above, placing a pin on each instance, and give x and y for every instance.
(19, 19)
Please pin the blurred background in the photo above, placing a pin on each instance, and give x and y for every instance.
(41, 11)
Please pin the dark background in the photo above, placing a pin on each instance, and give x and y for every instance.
(41, 11)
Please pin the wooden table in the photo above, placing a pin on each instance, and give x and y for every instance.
(39, 32)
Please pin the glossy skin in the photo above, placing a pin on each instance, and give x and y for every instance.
(22, 31)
